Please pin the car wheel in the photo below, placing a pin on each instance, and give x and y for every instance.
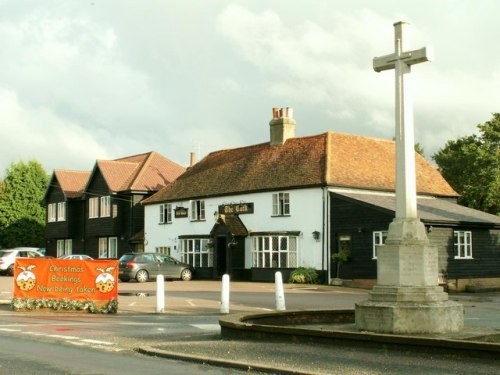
(186, 274)
(10, 270)
(142, 276)
(124, 279)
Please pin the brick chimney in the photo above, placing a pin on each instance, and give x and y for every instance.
(282, 126)
(192, 160)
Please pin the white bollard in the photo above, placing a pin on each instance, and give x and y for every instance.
(280, 293)
(224, 296)
(160, 294)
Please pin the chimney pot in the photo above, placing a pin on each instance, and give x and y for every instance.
(275, 112)
(193, 159)
(282, 126)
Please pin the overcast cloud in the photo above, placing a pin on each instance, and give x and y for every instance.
(103, 79)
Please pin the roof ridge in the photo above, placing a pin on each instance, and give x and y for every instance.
(143, 168)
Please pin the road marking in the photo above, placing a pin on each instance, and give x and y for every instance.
(64, 337)
(90, 341)
(132, 304)
(190, 302)
(33, 333)
(207, 327)
(263, 308)
(10, 330)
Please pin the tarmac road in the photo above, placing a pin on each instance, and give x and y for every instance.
(202, 298)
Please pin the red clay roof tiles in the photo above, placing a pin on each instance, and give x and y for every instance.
(328, 159)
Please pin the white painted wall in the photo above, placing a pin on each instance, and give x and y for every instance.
(306, 216)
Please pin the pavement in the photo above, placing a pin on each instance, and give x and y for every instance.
(247, 344)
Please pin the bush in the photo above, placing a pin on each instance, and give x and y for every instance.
(304, 275)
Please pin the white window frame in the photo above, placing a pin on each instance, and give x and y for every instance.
(51, 212)
(462, 244)
(113, 247)
(93, 208)
(165, 213)
(379, 238)
(197, 211)
(196, 252)
(168, 213)
(162, 214)
(163, 250)
(61, 211)
(64, 247)
(281, 204)
(108, 247)
(105, 209)
(268, 251)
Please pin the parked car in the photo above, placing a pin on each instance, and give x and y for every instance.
(145, 266)
(8, 257)
(76, 257)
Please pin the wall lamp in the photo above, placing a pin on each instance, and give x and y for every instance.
(315, 235)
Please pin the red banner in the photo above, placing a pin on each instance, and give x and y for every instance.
(52, 279)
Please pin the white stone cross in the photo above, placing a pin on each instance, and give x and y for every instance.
(401, 60)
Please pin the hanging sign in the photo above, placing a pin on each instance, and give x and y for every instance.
(180, 212)
(236, 208)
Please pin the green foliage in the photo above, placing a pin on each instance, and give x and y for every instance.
(303, 275)
(340, 257)
(22, 217)
(471, 165)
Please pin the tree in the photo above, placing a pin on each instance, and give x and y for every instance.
(471, 165)
(22, 217)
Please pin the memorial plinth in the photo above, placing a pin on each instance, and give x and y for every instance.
(407, 298)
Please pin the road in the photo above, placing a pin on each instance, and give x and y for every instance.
(80, 343)
(20, 355)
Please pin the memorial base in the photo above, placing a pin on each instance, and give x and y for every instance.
(409, 310)
(407, 298)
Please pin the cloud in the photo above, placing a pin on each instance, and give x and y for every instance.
(37, 132)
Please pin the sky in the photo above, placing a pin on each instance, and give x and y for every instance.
(105, 79)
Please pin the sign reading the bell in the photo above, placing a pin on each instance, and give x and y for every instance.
(180, 212)
(236, 208)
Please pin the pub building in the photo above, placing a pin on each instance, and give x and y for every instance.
(295, 201)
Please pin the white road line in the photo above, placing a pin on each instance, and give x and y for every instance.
(99, 342)
(131, 304)
(10, 330)
(207, 327)
(64, 337)
(263, 308)
(33, 333)
(190, 302)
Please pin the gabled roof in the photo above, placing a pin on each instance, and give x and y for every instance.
(72, 183)
(429, 209)
(328, 159)
(144, 172)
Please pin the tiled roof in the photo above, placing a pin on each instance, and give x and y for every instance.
(429, 209)
(145, 172)
(72, 183)
(328, 159)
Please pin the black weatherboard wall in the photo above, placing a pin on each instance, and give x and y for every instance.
(359, 221)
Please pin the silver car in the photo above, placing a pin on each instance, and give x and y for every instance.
(145, 266)
(8, 257)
